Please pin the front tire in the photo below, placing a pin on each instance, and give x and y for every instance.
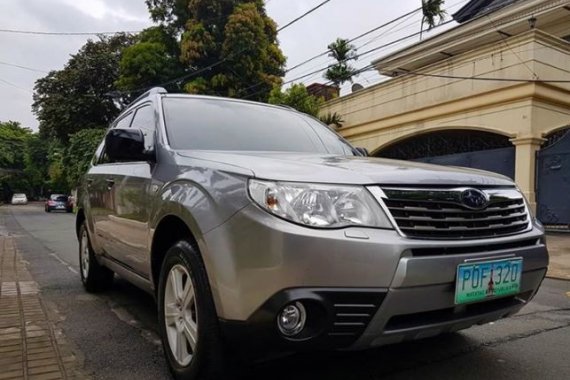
(94, 276)
(187, 317)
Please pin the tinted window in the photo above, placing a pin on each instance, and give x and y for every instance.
(144, 120)
(215, 124)
(125, 122)
(58, 198)
(334, 143)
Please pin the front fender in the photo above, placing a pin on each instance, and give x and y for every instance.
(202, 206)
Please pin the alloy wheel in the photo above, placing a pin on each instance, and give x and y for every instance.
(180, 315)
(84, 255)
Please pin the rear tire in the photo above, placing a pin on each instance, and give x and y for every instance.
(187, 316)
(94, 276)
(47, 209)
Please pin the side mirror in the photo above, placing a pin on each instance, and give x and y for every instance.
(126, 145)
(362, 152)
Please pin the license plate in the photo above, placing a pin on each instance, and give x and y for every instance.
(60, 206)
(487, 279)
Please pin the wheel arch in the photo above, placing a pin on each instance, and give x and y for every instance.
(79, 219)
(170, 229)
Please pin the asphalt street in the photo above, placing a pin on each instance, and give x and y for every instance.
(115, 333)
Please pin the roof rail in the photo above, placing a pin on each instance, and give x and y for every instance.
(152, 91)
(285, 106)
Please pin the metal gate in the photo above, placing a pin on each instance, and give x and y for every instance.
(500, 161)
(553, 183)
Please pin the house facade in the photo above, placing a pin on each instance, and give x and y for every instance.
(492, 93)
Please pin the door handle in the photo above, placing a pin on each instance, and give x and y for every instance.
(110, 183)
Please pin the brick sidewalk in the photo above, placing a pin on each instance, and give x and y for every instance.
(30, 345)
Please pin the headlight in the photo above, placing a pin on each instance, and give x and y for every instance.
(323, 206)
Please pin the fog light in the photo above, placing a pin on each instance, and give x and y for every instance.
(292, 319)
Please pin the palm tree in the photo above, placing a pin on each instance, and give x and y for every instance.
(342, 51)
(431, 10)
(332, 119)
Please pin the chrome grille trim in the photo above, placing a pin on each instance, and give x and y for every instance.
(437, 214)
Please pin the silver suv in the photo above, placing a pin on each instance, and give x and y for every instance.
(257, 225)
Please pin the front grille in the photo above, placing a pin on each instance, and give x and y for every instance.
(440, 213)
(421, 252)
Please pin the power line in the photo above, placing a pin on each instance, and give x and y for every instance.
(353, 39)
(503, 39)
(23, 67)
(327, 51)
(353, 58)
(303, 15)
(519, 80)
(15, 85)
(401, 19)
(33, 32)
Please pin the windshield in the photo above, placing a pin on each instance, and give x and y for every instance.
(19, 196)
(217, 124)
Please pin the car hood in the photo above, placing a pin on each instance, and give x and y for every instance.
(322, 168)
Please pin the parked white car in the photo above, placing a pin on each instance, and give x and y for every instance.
(19, 199)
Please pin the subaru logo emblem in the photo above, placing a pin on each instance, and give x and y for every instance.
(474, 199)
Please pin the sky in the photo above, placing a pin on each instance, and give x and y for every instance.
(302, 40)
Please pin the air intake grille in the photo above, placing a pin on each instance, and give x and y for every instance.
(441, 213)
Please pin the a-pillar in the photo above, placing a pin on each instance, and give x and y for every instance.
(525, 165)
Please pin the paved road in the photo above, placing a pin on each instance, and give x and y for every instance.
(116, 332)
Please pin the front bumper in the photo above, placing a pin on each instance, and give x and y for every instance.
(258, 263)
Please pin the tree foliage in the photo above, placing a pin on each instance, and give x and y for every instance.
(13, 139)
(171, 14)
(36, 163)
(332, 119)
(14, 158)
(343, 52)
(79, 153)
(297, 97)
(77, 97)
(153, 59)
(232, 44)
(432, 13)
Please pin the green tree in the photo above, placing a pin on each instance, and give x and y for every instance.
(171, 14)
(232, 44)
(13, 139)
(79, 153)
(298, 98)
(343, 52)
(431, 11)
(36, 163)
(56, 170)
(77, 97)
(152, 60)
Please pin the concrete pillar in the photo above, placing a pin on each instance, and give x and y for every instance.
(525, 165)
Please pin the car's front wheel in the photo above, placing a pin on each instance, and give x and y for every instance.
(187, 316)
(94, 276)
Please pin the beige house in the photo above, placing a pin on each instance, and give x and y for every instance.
(488, 93)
